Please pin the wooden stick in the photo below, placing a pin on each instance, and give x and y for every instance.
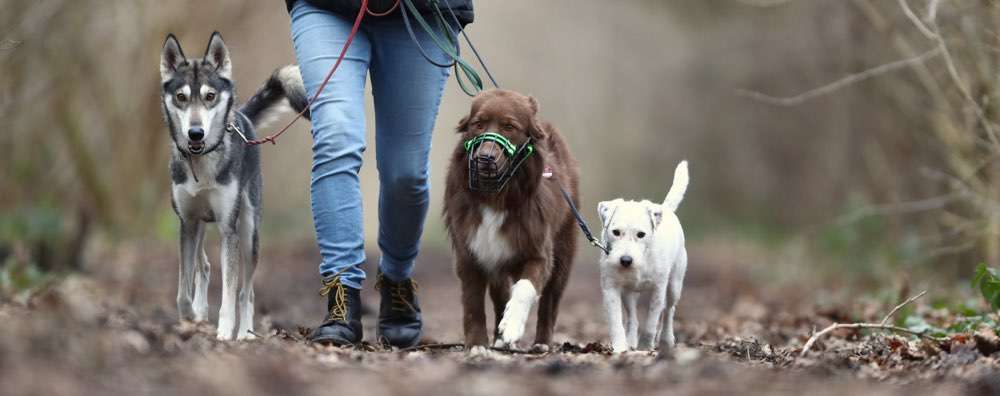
(908, 300)
(876, 326)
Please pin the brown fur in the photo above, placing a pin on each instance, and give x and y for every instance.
(539, 224)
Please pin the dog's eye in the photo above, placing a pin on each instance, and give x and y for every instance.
(478, 125)
(641, 235)
(508, 127)
(616, 233)
(181, 97)
(210, 96)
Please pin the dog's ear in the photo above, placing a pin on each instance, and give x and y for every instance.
(606, 208)
(217, 55)
(171, 57)
(536, 129)
(655, 213)
(463, 125)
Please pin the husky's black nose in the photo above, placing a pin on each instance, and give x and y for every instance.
(626, 261)
(196, 134)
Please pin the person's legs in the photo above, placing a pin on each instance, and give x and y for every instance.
(338, 121)
(338, 127)
(407, 92)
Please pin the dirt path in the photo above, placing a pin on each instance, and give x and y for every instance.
(113, 331)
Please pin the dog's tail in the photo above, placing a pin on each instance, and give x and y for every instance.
(676, 193)
(283, 90)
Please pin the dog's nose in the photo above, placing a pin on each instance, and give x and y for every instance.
(486, 157)
(196, 134)
(626, 261)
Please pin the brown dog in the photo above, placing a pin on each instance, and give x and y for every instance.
(523, 233)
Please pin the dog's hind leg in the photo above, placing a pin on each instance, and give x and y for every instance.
(249, 249)
(666, 338)
(499, 294)
(632, 318)
(562, 266)
(202, 275)
(652, 328)
(548, 307)
(190, 233)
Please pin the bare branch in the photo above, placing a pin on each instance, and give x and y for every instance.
(841, 83)
(876, 326)
(916, 21)
(893, 312)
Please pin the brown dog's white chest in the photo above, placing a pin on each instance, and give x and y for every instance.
(487, 243)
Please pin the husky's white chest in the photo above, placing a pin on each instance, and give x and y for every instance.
(487, 243)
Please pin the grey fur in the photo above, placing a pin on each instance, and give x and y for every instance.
(217, 179)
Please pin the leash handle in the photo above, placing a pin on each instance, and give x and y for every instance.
(343, 52)
(580, 222)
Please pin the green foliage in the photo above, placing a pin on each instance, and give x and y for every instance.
(987, 281)
(19, 278)
(920, 325)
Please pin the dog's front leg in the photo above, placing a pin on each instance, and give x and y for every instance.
(202, 275)
(523, 296)
(189, 234)
(656, 303)
(613, 307)
(632, 318)
(230, 274)
(473, 304)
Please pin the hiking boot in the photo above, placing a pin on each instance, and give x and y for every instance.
(342, 325)
(399, 320)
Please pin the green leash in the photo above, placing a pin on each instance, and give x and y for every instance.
(450, 47)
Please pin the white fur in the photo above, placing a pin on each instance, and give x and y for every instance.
(652, 236)
(522, 297)
(489, 246)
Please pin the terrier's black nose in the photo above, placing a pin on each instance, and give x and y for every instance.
(196, 134)
(626, 261)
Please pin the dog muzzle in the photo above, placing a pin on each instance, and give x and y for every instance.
(493, 161)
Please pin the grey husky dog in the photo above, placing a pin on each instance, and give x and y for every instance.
(216, 176)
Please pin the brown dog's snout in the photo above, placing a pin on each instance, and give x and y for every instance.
(492, 152)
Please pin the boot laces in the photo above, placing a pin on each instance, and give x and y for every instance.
(400, 293)
(338, 310)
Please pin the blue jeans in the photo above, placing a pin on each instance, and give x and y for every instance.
(407, 91)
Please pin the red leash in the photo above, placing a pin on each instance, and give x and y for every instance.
(343, 52)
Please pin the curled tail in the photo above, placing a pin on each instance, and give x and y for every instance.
(282, 90)
(677, 190)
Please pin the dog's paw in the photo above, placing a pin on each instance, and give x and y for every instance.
(511, 329)
(479, 350)
(246, 336)
(500, 343)
(540, 348)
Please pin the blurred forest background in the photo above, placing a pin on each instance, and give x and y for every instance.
(890, 171)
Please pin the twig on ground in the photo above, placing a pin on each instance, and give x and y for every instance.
(841, 83)
(517, 351)
(874, 326)
(894, 310)
(426, 347)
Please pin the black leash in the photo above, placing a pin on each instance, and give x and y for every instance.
(580, 221)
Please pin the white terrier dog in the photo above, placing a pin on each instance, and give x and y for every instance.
(646, 253)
